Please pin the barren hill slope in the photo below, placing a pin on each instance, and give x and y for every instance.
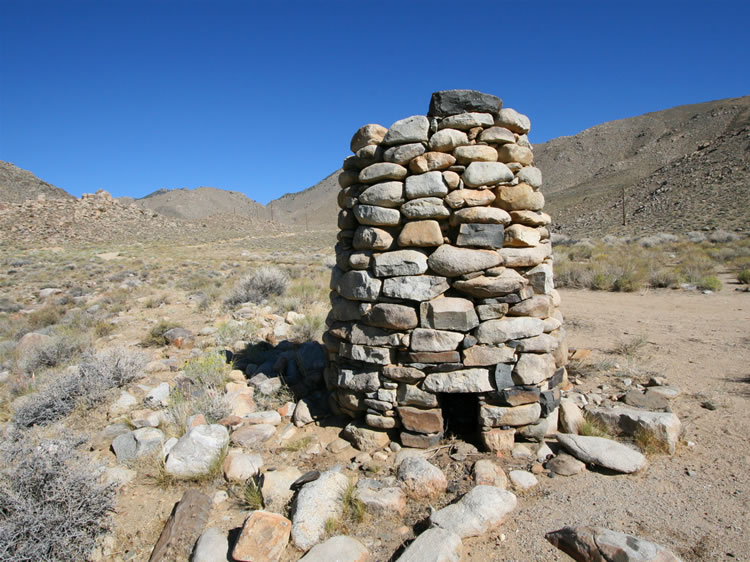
(17, 185)
(314, 206)
(682, 169)
(200, 203)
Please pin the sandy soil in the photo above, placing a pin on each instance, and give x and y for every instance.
(701, 344)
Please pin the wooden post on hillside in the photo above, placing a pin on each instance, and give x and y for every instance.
(623, 205)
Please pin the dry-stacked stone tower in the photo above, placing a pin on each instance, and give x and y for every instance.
(444, 314)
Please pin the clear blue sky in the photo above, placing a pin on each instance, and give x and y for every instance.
(263, 97)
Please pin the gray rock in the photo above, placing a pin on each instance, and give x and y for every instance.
(371, 238)
(543, 343)
(480, 215)
(212, 546)
(315, 503)
(362, 334)
(359, 285)
(488, 236)
(400, 262)
(376, 216)
(522, 479)
(338, 549)
(663, 427)
(124, 403)
(509, 281)
(401, 154)
(392, 316)
(158, 395)
(434, 545)
(429, 184)
(482, 509)
(499, 416)
(487, 355)
(541, 278)
(124, 447)
(453, 102)
(465, 380)
(366, 353)
(359, 382)
(412, 395)
(197, 450)
(420, 478)
(449, 313)
(381, 498)
(364, 438)
(451, 261)
(386, 194)
(403, 374)
(497, 135)
(486, 173)
(414, 287)
(531, 176)
(275, 486)
(603, 452)
(426, 339)
(408, 130)
(565, 465)
(148, 441)
(592, 544)
(533, 368)
(525, 257)
(252, 436)
(504, 329)
(241, 466)
(475, 153)
(466, 121)
(425, 208)
(382, 171)
(448, 139)
(646, 400)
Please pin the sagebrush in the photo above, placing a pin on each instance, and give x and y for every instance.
(259, 286)
(88, 384)
(52, 506)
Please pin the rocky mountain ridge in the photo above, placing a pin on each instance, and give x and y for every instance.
(680, 169)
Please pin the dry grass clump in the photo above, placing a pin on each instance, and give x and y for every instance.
(592, 427)
(87, 385)
(649, 444)
(744, 276)
(52, 505)
(259, 286)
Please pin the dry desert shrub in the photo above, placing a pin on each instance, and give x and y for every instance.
(60, 349)
(259, 286)
(52, 506)
(88, 385)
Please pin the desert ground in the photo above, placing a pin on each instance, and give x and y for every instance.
(694, 502)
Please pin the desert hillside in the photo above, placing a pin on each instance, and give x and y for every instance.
(684, 168)
(17, 185)
(200, 203)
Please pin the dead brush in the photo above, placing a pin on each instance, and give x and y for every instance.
(629, 347)
(649, 444)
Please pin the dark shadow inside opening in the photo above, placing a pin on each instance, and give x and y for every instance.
(460, 417)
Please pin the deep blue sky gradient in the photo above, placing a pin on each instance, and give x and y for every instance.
(263, 97)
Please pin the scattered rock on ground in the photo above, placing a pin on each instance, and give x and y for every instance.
(479, 511)
(603, 452)
(315, 503)
(335, 549)
(264, 536)
(420, 478)
(197, 450)
(594, 544)
(434, 545)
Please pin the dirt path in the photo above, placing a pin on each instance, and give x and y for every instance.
(695, 502)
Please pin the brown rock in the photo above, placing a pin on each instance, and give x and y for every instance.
(499, 440)
(421, 234)
(183, 527)
(485, 355)
(263, 538)
(421, 421)
(481, 215)
(431, 161)
(515, 153)
(530, 218)
(520, 236)
(520, 197)
(469, 198)
(368, 134)
(475, 153)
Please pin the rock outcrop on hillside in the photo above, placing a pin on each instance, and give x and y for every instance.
(17, 186)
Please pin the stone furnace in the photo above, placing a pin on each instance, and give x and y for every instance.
(444, 314)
